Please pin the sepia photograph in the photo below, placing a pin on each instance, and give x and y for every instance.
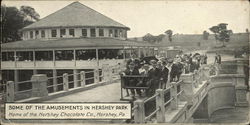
(125, 62)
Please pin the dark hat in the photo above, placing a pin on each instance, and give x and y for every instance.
(170, 60)
(153, 61)
(132, 63)
(144, 63)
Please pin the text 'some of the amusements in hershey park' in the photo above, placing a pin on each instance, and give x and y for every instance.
(68, 111)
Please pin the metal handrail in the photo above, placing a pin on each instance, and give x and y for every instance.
(18, 92)
(150, 98)
(71, 82)
(89, 78)
(180, 92)
(135, 107)
(21, 82)
(89, 72)
(167, 89)
(59, 84)
(152, 114)
(71, 74)
(166, 103)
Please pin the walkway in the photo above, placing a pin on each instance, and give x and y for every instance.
(105, 93)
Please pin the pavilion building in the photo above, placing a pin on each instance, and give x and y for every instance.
(73, 39)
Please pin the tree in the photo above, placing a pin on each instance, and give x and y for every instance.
(170, 34)
(148, 37)
(221, 33)
(205, 35)
(12, 21)
(159, 37)
(29, 13)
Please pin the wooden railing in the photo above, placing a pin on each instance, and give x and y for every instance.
(40, 84)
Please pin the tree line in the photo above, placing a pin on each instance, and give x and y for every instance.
(14, 19)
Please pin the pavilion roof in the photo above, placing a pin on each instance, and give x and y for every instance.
(72, 43)
(75, 15)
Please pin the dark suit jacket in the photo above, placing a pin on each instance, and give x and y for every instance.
(131, 81)
(174, 70)
(164, 74)
(154, 74)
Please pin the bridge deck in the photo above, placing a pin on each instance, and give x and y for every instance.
(105, 93)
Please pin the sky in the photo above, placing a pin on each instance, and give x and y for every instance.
(155, 17)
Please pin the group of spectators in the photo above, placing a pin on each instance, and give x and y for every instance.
(158, 72)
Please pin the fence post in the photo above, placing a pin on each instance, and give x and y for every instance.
(139, 113)
(109, 74)
(200, 75)
(195, 78)
(160, 103)
(173, 93)
(65, 82)
(82, 78)
(105, 72)
(96, 75)
(39, 85)
(10, 91)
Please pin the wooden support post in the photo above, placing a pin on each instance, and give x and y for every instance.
(16, 79)
(39, 85)
(139, 112)
(54, 80)
(96, 76)
(10, 91)
(173, 93)
(160, 103)
(75, 77)
(65, 82)
(109, 75)
(82, 77)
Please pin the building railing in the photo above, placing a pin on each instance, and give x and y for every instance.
(40, 84)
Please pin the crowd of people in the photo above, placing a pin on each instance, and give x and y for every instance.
(159, 72)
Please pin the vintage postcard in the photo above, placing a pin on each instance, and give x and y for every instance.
(125, 62)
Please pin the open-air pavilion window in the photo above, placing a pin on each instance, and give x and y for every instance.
(151, 51)
(53, 33)
(116, 33)
(62, 32)
(8, 56)
(24, 56)
(92, 33)
(87, 54)
(120, 33)
(101, 32)
(42, 33)
(110, 54)
(7, 75)
(72, 32)
(128, 52)
(84, 32)
(110, 33)
(44, 55)
(31, 34)
(64, 54)
(135, 51)
(37, 33)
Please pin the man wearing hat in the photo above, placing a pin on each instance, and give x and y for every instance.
(131, 82)
(173, 69)
(135, 61)
(154, 77)
(163, 74)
